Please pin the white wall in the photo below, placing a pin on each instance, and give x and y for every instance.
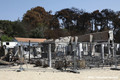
(9, 44)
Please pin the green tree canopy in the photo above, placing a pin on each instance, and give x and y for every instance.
(6, 38)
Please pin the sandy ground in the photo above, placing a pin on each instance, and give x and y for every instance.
(37, 73)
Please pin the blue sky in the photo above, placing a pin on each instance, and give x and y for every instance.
(14, 9)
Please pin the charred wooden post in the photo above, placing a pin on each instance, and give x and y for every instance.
(10, 55)
(5, 50)
(64, 50)
(74, 60)
(109, 51)
(87, 47)
(115, 56)
(103, 55)
(29, 51)
(21, 59)
(79, 51)
(111, 38)
(93, 49)
(50, 62)
(113, 50)
(111, 41)
(75, 51)
(91, 39)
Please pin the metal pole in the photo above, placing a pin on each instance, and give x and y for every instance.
(50, 62)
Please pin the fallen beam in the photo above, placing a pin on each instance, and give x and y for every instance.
(5, 62)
